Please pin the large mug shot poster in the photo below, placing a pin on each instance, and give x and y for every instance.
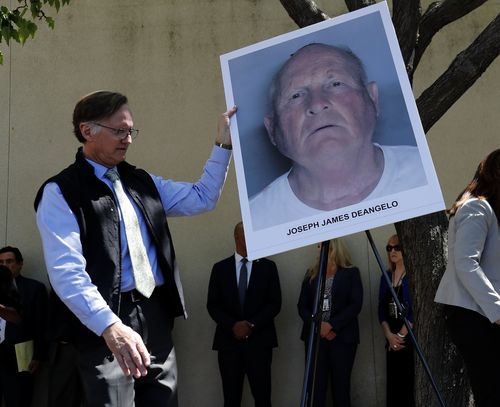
(327, 138)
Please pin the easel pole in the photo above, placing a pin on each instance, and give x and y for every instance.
(314, 332)
(406, 322)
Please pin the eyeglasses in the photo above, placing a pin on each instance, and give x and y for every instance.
(396, 247)
(122, 134)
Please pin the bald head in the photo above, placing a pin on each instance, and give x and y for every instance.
(311, 51)
(239, 239)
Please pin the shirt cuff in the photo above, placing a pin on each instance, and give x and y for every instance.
(101, 320)
(220, 154)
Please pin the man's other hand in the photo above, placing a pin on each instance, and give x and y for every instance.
(128, 348)
(34, 366)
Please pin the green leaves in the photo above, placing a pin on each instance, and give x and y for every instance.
(50, 21)
(15, 25)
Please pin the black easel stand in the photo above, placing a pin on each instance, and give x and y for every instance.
(406, 322)
(314, 333)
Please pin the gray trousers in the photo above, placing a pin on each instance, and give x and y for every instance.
(104, 383)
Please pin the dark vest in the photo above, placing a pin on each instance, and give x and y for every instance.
(96, 212)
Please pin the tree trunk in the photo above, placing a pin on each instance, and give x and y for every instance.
(425, 241)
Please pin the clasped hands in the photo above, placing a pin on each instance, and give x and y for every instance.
(242, 330)
(396, 342)
(327, 331)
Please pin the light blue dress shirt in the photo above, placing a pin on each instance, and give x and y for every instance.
(60, 234)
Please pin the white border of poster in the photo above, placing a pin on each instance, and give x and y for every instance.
(248, 74)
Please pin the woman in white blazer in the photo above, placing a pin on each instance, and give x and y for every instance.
(470, 287)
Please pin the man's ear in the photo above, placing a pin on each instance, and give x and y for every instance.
(86, 131)
(372, 90)
(269, 123)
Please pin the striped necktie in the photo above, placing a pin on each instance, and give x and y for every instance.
(141, 268)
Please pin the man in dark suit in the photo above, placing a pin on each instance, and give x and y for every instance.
(243, 299)
(17, 387)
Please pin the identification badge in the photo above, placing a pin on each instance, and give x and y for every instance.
(393, 310)
(326, 304)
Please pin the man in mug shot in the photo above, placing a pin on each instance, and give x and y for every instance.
(323, 117)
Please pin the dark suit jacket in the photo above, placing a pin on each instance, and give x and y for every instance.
(33, 297)
(347, 299)
(262, 303)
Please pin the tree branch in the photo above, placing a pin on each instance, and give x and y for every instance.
(465, 69)
(304, 12)
(438, 15)
(357, 4)
(406, 18)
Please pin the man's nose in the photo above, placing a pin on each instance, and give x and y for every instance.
(318, 102)
(127, 139)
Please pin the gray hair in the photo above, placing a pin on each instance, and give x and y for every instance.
(94, 128)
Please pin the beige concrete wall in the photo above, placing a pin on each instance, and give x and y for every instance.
(4, 143)
(165, 56)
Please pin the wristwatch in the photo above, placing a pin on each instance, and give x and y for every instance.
(222, 145)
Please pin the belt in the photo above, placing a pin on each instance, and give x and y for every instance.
(132, 296)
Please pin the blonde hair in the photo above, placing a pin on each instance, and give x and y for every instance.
(391, 263)
(337, 254)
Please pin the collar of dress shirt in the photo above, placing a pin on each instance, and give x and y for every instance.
(99, 169)
(238, 258)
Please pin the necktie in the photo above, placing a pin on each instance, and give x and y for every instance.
(141, 269)
(242, 284)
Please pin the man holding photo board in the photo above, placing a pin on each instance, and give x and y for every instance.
(323, 117)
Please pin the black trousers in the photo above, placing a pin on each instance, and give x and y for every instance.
(65, 385)
(478, 341)
(104, 383)
(16, 389)
(401, 377)
(335, 362)
(234, 364)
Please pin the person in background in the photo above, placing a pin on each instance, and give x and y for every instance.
(244, 297)
(65, 387)
(399, 348)
(28, 328)
(10, 304)
(470, 286)
(342, 303)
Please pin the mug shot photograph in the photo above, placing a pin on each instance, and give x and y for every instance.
(328, 141)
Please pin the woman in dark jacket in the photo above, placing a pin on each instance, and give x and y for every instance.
(399, 349)
(339, 327)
